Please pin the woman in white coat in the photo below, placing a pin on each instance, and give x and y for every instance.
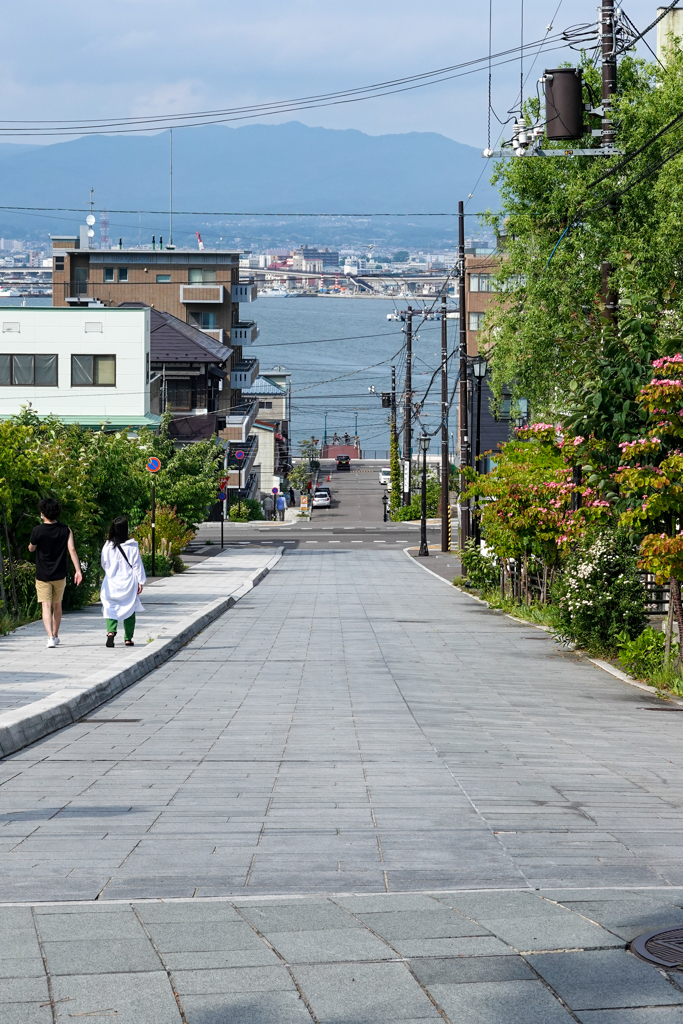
(124, 576)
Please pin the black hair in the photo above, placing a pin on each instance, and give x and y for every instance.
(118, 531)
(50, 508)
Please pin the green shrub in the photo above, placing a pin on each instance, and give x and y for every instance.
(644, 655)
(25, 586)
(239, 513)
(165, 562)
(599, 597)
(170, 528)
(481, 570)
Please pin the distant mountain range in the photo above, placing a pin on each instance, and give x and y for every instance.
(254, 169)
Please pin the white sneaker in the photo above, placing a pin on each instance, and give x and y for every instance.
(51, 641)
(56, 641)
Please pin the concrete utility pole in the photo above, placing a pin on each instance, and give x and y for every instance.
(408, 407)
(609, 88)
(445, 463)
(462, 411)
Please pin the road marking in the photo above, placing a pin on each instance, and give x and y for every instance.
(289, 542)
(356, 541)
(311, 542)
(379, 542)
(334, 542)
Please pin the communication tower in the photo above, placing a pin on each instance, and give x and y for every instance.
(105, 242)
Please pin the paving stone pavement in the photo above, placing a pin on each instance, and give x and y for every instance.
(356, 797)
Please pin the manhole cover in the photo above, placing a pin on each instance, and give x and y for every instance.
(664, 948)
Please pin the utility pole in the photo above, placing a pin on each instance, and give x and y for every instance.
(408, 407)
(462, 411)
(445, 464)
(393, 401)
(609, 88)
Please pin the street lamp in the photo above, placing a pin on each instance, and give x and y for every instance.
(423, 442)
(479, 368)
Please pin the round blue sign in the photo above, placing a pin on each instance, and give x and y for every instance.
(154, 464)
(275, 490)
(222, 496)
(239, 454)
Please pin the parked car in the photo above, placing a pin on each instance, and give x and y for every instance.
(322, 499)
(385, 475)
(344, 462)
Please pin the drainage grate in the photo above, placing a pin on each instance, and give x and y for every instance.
(111, 721)
(664, 948)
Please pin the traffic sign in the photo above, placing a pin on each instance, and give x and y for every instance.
(154, 464)
(239, 454)
(275, 490)
(304, 501)
(222, 496)
(224, 482)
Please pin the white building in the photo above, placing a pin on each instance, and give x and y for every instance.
(88, 365)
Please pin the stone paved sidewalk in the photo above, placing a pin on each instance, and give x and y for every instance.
(515, 957)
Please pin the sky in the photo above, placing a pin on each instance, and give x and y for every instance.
(77, 59)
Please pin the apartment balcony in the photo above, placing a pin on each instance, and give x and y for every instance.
(217, 333)
(238, 470)
(210, 294)
(239, 421)
(244, 373)
(244, 333)
(245, 291)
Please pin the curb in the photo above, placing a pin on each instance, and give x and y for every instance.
(65, 707)
(604, 665)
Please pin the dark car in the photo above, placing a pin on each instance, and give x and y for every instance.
(344, 462)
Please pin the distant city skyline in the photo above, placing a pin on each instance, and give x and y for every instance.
(162, 56)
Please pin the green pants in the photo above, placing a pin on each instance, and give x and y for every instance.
(128, 626)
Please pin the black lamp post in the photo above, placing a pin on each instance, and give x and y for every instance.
(385, 502)
(479, 368)
(423, 442)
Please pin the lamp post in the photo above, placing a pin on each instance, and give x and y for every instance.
(479, 368)
(423, 442)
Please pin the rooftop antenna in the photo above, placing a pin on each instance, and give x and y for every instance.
(170, 188)
(90, 219)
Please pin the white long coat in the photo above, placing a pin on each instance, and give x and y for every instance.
(119, 592)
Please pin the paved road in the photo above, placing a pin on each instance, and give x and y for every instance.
(361, 798)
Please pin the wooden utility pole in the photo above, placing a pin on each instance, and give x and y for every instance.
(408, 408)
(445, 462)
(462, 411)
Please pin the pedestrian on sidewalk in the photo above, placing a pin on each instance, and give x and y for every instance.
(51, 541)
(292, 498)
(124, 576)
(281, 505)
(268, 506)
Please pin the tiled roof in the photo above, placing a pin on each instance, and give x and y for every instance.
(172, 340)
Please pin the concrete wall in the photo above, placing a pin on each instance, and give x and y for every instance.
(62, 332)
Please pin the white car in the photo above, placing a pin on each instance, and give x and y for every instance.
(385, 475)
(322, 499)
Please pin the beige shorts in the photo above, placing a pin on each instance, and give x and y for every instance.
(53, 590)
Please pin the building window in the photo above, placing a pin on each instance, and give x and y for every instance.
(205, 320)
(265, 405)
(202, 276)
(28, 371)
(123, 274)
(480, 283)
(59, 263)
(476, 321)
(163, 278)
(108, 274)
(11, 327)
(94, 327)
(93, 371)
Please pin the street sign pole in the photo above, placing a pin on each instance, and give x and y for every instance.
(222, 520)
(153, 466)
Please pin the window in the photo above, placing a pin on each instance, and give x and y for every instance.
(476, 321)
(123, 274)
(205, 320)
(12, 327)
(163, 278)
(59, 263)
(93, 327)
(108, 274)
(480, 283)
(28, 371)
(93, 371)
(197, 276)
(265, 405)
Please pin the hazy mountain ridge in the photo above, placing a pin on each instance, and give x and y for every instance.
(287, 168)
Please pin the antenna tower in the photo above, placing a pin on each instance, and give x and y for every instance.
(105, 242)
